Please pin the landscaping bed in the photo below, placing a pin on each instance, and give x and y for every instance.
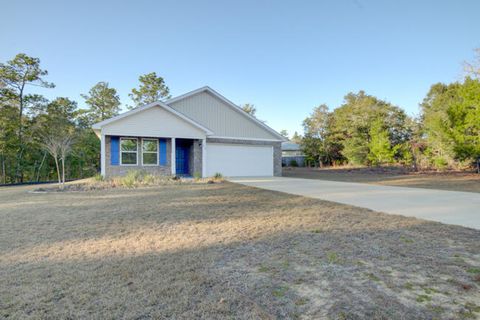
(134, 179)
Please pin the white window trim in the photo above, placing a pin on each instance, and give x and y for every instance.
(136, 152)
(157, 152)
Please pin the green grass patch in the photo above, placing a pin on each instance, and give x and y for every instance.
(436, 309)
(263, 268)
(473, 270)
(372, 277)
(423, 298)
(408, 286)
(428, 290)
(406, 240)
(279, 292)
(301, 302)
(332, 257)
(472, 307)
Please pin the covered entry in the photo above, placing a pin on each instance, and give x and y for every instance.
(236, 160)
(182, 156)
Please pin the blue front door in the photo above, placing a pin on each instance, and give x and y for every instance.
(181, 156)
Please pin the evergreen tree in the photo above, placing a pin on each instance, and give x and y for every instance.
(380, 148)
(104, 102)
(249, 108)
(16, 76)
(152, 88)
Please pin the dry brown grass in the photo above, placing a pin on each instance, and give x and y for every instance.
(394, 176)
(226, 251)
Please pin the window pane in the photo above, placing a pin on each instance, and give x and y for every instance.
(149, 158)
(150, 145)
(129, 144)
(129, 158)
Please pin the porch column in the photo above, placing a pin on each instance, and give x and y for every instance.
(103, 159)
(173, 158)
(204, 158)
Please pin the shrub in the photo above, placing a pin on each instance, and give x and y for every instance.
(98, 177)
(133, 178)
(440, 163)
(149, 179)
(293, 163)
(128, 180)
(218, 176)
(197, 175)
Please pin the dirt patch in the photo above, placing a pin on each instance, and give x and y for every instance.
(218, 251)
(392, 176)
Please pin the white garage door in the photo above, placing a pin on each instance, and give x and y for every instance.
(233, 160)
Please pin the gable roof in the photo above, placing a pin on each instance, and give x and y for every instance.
(229, 104)
(99, 125)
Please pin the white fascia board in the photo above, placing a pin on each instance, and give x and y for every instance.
(103, 159)
(143, 135)
(228, 103)
(246, 139)
(98, 132)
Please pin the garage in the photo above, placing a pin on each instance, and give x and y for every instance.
(234, 160)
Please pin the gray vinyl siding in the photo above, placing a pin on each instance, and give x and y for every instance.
(212, 113)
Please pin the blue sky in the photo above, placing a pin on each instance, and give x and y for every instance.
(286, 57)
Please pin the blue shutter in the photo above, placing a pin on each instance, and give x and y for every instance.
(162, 152)
(114, 150)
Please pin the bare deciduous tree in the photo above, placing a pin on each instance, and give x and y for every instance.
(473, 68)
(59, 146)
(65, 147)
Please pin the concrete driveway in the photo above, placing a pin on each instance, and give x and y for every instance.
(452, 207)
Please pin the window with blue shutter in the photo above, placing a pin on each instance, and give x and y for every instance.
(162, 152)
(114, 150)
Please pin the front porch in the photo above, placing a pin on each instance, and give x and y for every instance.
(188, 157)
(156, 155)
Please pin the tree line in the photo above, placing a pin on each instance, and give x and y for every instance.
(43, 140)
(366, 130)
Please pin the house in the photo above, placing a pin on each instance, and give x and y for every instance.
(292, 153)
(200, 132)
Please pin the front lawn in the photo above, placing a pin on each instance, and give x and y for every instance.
(218, 251)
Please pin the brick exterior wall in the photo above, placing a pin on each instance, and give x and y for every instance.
(277, 150)
(111, 171)
(195, 158)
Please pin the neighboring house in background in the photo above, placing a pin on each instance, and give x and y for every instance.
(292, 151)
(200, 132)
